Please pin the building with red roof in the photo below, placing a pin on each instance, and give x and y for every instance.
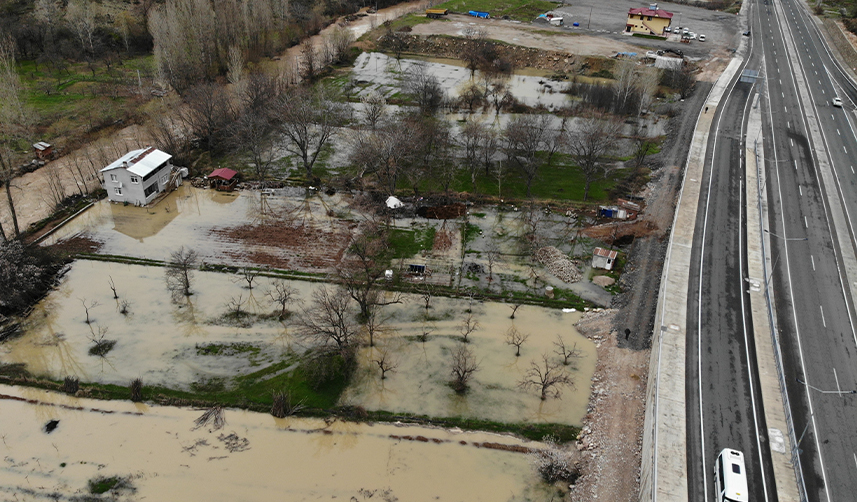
(651, 21)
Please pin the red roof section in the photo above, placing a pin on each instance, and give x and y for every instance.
(223, 173)
(642, 11)
(605, 253)
(142, 155)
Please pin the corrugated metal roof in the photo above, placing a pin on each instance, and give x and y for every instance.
(605, 253)
(642, 11)
(140, 162)
(223, 173)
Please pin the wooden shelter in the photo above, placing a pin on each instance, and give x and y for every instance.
(223, 179)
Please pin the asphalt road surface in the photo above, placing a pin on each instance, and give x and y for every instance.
(723, 395)
(813, 301)
(811, 152)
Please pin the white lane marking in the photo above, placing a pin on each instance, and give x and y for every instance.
(812, 259)
(795, 162)
(800, 189)
(823, 322)
(822, 91)
(805, 222)
(839, 133)
(783, 94)
(788, 124)
(838, 388)
(855, 458)
(852, 169)
(843, 147)
(792, 141)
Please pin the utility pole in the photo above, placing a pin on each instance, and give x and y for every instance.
(589, 23)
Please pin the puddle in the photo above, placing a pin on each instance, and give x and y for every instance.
(254, 457)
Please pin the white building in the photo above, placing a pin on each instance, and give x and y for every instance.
(139, 176)
(603, 258)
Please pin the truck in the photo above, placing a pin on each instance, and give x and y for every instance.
(479, 13)
(436, 13)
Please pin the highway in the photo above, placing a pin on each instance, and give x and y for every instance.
(811, 186)
(722, 382)
(810, 139)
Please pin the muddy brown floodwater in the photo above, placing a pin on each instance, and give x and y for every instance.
(160, 340)
(254, 457)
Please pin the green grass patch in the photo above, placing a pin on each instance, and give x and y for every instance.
(102, 484)
(407, 243)
(521, 10)
(536, 431)
(227, 349)
(562, 181)
(471, 232)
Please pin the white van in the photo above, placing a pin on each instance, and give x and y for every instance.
(730, 477)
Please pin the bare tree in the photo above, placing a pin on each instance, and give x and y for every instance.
(124, 307)
(385, 363)
(101, 345)
(235, 65)
(338, 41)
(468, 326)
(516, 304)
(87, 307)
(546, 377)
(55, 193)
(113, 287)
(311, 63)
(179, 271)
(81, 18)
(594, 137)
(426, 292)
(249, 275)
(253, 135)
(14, 124)
(309, 120)
(524, 137)
(374, 108)
(515, 338)
(647, 83)
(624, 85)
(184, 33)
(565, 352)
(282, 295)
(208, 113)
(492, 255)
(424, 89)
(464, 365)
(235, 304)
(329, 320)
(360, 271)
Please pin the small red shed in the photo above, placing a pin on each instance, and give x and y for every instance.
(223, 179)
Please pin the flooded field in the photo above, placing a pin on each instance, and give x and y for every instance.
(292, 230)
(180, 344)
(158, 454)
(385, 74)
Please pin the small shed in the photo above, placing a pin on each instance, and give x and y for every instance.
(43, 150)
(612, 212)
(223, 179)
(603, 258)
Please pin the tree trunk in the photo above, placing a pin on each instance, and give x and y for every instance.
(3, 234)
(586, 191)
(12, 207)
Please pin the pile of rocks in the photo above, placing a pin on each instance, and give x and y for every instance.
(558, 264)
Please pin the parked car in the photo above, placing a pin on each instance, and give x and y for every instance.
(702, 38)
(837, 102)
(685, 31)
(747, 33)
(691, 35)
(668, 30)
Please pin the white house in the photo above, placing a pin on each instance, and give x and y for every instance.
(139, 176)
(603, 258)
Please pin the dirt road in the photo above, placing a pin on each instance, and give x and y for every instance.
(536, 36)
